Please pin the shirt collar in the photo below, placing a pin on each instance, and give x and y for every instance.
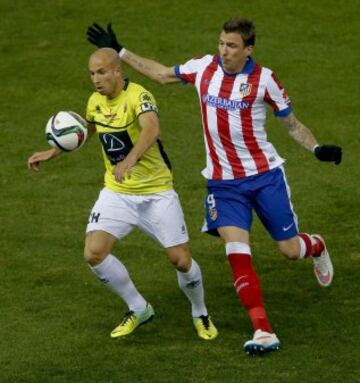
(247, 69)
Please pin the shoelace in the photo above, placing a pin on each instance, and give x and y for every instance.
(205, 321)
(127, 317)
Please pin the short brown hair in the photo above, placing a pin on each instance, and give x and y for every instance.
(244, 27)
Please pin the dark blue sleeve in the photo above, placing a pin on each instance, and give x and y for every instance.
(284, 112)
(178, 74)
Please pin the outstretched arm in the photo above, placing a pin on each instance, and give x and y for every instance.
(303, 136)
(35, 159)
(299, 132)
(149, 68)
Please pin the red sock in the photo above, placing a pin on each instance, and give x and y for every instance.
(318, 248)
(314, 246)
(247, 286)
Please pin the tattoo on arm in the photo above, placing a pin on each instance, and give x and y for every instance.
(150, 68)
(136, 63)
(299, 132)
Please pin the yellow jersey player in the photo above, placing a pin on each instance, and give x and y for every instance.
(138, 192)
(117, 124)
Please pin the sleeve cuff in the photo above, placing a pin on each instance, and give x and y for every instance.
(178, 74)
(122, 52)
(284, 112)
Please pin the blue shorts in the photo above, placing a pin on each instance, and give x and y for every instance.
(231, 202)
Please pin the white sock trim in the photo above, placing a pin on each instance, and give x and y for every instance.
(122, 52)
(237, 248)
(302, 248)
(193, 271)
(102, 266)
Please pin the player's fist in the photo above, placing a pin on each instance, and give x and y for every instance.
(331, 153)
(103, 38)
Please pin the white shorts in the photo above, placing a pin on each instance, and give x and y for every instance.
(160, 215)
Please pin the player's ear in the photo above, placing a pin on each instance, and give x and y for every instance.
(118, 73)
(119, 70)
(249, 50)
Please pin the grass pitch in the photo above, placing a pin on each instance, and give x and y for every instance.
(56, 316)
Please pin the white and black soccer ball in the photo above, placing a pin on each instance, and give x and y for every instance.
(66, 131)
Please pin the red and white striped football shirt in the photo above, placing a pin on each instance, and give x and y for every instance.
(233, 108)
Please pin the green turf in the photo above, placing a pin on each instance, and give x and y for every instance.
(56, 317)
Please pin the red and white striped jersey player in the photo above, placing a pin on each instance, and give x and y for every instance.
(244, 171)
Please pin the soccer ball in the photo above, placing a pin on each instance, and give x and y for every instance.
(66, 131)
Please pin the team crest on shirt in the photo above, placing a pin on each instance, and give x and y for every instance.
(145, 97)
(245, 89)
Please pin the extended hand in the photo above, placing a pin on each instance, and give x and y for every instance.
(330, 153)
(103, 38)
(38, 157)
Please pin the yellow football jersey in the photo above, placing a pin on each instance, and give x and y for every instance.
(118, 129)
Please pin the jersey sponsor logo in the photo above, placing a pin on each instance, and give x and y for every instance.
(117, 145)
(110, 115)
(113, 143)
(224, 103)
(245, 89)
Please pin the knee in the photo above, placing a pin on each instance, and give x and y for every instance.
(182, 263)
(290, 248)
(180, 257)
(93, 254)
